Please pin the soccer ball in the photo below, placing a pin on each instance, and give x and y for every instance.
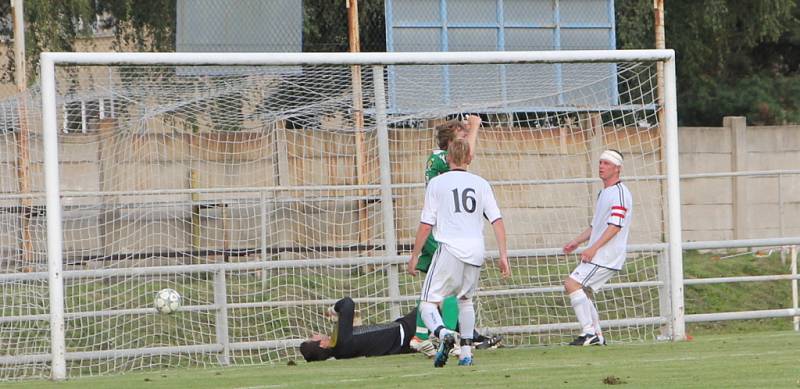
(167, 301)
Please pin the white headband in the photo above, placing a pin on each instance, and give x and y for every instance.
(612, 156)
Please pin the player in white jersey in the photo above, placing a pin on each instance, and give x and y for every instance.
(456, 204)
(605, 254)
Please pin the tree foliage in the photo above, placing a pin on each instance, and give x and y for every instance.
(734, 57)
(143, 25)
(325, 25)
(49, 26)
(635, 23)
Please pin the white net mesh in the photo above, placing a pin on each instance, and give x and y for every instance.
(255, 192)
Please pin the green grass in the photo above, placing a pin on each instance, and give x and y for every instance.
(766, 359)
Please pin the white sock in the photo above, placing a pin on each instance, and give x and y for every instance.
(466, 351)
(596, 320)
(432, 317)
(466, 323)
(583, 311)
(466, 318)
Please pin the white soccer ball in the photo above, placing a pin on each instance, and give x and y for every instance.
(167, 301)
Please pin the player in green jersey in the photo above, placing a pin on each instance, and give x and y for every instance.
(437, 164)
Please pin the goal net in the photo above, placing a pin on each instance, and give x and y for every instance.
(263, 194)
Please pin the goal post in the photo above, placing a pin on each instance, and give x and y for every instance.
(54, 231)
(273, 217)
(674, 200)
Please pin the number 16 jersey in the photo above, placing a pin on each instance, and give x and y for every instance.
(456, 203)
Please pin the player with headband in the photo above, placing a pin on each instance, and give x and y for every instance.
(605, 254)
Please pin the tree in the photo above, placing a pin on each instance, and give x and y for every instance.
(149, 25)
(325, 25)
(635, 24)
(143, 25)
(733, 57)
(49, 26)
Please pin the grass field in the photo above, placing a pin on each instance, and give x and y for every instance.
(753, 360)
(730, 297)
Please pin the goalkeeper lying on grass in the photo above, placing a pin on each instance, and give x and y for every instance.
(349, 341)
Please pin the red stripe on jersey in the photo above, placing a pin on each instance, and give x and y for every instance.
(621, 216)
(617, 207)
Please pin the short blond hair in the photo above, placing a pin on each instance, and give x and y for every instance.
(458, 152)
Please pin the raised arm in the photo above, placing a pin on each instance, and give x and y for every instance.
(473, 124)
(344, 329)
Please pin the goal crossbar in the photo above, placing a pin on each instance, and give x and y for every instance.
(284, 59)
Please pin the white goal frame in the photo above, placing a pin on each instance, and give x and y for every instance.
(49, 61)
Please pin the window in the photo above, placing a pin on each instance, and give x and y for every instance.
(489, 25)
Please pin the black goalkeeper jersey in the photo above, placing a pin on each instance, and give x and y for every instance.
(372, 340)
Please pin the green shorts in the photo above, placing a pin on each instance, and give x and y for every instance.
(425, 258)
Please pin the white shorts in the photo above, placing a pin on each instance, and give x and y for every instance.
(592, 276)
(449, 276)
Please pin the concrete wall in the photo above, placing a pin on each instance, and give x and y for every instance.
(157, 159)
(740, 207)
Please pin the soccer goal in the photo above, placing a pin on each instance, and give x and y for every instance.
(263, 187)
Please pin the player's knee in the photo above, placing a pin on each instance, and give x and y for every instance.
(345, 303)
(465, 304)
(571, 285)
(427, 306)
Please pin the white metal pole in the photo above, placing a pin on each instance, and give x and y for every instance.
(780, 205)
(796, 319)
(390, 240)
(111, 94)
(674, 201)
(54, 234)
(263, 238)
(408, 58)
(83, 116)
(664, 293)
(221, 301)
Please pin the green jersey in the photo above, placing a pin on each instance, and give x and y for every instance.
(437, 164)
